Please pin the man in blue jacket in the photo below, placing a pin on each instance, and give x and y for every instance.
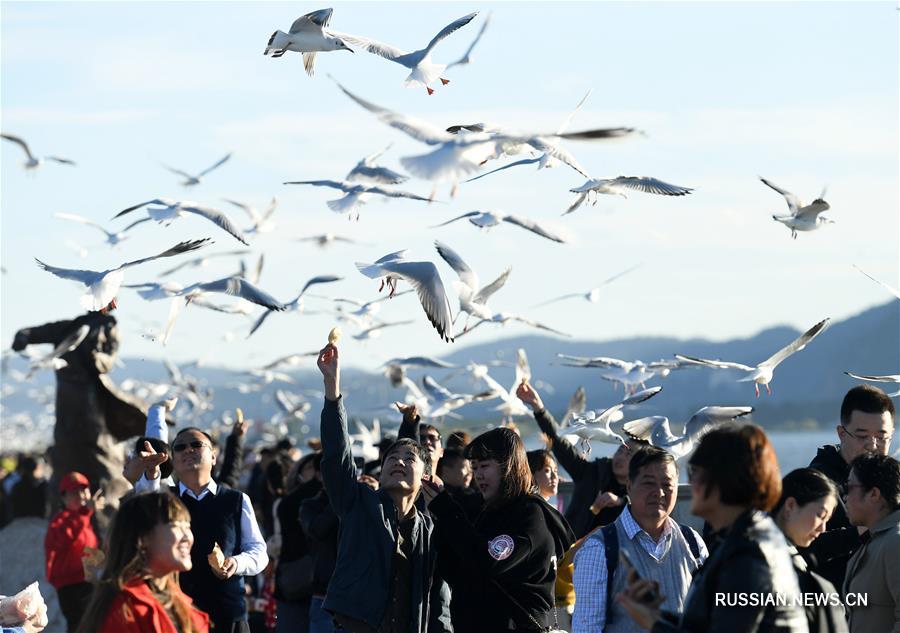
(383, 578)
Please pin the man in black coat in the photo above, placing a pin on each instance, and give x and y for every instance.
(867, 425)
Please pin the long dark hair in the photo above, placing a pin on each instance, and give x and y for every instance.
(125, 560)
(506, 448)
(805, 485)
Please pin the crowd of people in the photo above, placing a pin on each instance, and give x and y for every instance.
(459, 533)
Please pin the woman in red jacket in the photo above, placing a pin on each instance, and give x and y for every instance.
(149, 543)
(69, 533)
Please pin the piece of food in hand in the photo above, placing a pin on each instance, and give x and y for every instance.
(14, 610)
(216, 558)
(92, 562)
(334, 336)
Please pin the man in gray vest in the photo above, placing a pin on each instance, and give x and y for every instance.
(659, 548)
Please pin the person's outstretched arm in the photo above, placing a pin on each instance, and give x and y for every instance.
(47, 333)
(233, 461)
(568, 456)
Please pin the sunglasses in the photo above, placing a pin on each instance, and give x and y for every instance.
(196, 444)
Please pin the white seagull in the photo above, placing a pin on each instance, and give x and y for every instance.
(487, 219)
(423, 71)
(510, 406)
(502, 318)
(895, 378)
(191, 180)
(368, 171)
(658, 432)
(296, 304)
(424, 278)
(763, 373)
(262, 222)
(324, 240)
(466, 59)
(801, 218)
(165, 211)
(631, 374)
(309, 34)
(887, 287)
(102, 286)
(355, 194)
(52, 360)
(595, 425)
(374, 331)
(447, 401)
(592, 295)
(113, 239)
(472, 298)
(200, 262)
(32, 162)
(364, 313)
(617, 186)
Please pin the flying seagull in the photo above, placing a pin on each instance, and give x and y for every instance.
(762, 374)
(472, 298)
(502, 318)
(487, 219)
(423, 277)
(657, 431)
(895, 378)
(32, 162)
(423, 71)
(466, 59)
(165, 211)
(113, 239)
(887, 287)
(191, 180)
(324, 240)
(262, 222)
(200, 262)
(618, 186)
(102, 286)
(368, 171)
(309, 34)
(595, 425)
(355, 194)
(801, 218)
(295, 304)
(592, 295)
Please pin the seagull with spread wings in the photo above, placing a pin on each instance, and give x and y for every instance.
(165, 211)
(658, 432)
(595, 424)
(511, 405)
(472, 298)
(356, 194)
(296, 304)
(309, 35)
(423, 71)
(619, 185)
(368, 171)
(895, 378)
(502, 318)
(113, 239)
(763, 373)
(592, 295)
(102, 286)
(262, 220)
(802, 217)
(191, 180)
(425, 280)
(33, 162)
(466, 59)
(487, 219)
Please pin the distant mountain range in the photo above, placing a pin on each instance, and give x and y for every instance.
(807, 388)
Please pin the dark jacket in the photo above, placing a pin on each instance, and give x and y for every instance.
(360, 585)
(589, 477)
(489, 554)
(752, 558)
(294, 542)
(834, 547)
(320, 524)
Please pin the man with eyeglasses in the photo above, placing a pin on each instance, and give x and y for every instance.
(219, 514)
(866, 426)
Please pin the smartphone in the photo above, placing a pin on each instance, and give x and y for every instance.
(648, 596)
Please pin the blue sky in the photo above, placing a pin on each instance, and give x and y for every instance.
(805, 94)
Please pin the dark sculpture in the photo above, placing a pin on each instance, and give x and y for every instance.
(92, 415)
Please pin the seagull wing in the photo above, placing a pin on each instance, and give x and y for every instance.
(467, 59)
(524, 161)
(218, 218)
(460, 267)
(394, 193)
(435, 390)
(315, 19)
(596, 133)
(179, 172)
(69, 343)
(425, 279)
(649, 185)
(259, 322)
(577, 404)
(621, 274)
(320, 279)
(246, 208)
(178, 249)
(708, 418)
(654, 429)
(390, 53)
(719, 364)
(136, 222)
(641, 396)
(577, 203)
(459, 217)
(485, 293)
(238, 287)
(568, 120)
(793, 201)
(537, 325)
(890, 289)
(334, 184)
(893, 378)
(81, 220)
(795, 346)
(420, 361)
(523, 370)
(219, 163)
(18, 141)
(560, 153)
(142, 204)
(812, 211)
(60, 160)
(447, 30)
(87, 277)
(534, 227)
(571, 295)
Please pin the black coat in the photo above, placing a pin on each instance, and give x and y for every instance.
(320, 525)
(294, 541)
(589, 477)
(752, 558)
(511, 547)
(834, 547)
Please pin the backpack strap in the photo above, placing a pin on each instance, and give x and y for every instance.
(691, 539)
(611, 549)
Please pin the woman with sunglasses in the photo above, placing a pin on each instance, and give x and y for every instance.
(499, 552)
(149, 544)
(748, 583)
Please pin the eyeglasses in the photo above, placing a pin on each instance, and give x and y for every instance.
(431, 438)
(196, 445)
(881, 438)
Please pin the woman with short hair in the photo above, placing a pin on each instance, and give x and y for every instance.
(748, 583)
(499, 552)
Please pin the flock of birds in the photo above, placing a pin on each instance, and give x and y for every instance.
(455, 154)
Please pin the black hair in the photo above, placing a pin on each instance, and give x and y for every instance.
(450, 457)
(417, 449)
(504, 446)
(882, 472)
(647, 455)
(424, 426)
(198, 430)
(805, 485)
(867, 399)
(537, 459)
